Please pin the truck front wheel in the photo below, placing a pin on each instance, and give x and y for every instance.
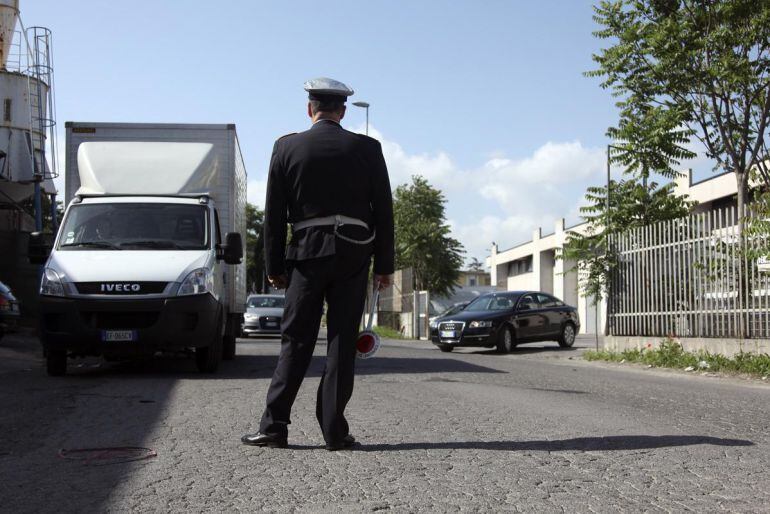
(228, 344)
(208, 358)
(56, 362)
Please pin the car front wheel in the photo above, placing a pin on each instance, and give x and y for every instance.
(505, 342)
(567, 338)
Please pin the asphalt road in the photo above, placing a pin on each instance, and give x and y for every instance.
(530, 431)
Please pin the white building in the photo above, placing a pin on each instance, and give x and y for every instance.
(533, 265)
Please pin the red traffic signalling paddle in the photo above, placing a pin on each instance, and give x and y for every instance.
(368, 342)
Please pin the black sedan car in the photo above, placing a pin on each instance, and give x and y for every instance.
(503, 320)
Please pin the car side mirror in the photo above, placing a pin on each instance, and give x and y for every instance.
(39, 247)
(523, 307)
(232, 251)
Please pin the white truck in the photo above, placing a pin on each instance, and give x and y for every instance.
(148, 256)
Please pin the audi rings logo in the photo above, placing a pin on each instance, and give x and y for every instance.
(120, 288)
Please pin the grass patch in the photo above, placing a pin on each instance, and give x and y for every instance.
(387, 333)
(670, 354)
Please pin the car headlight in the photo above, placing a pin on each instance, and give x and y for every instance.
(51, 284)
(433, 323)
(481, 324)
(249, 317)
(199, 281)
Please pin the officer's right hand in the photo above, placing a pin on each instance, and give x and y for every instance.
(383, 281)
(278, 281)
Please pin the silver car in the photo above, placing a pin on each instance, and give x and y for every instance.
(263, 314)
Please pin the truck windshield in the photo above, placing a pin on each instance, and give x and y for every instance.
(135, 226)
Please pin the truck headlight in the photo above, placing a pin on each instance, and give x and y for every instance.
(51, 284)
(199, 281)
(481, 324)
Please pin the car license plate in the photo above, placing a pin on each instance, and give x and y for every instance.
(271, 323)
(449, 334)
(110, 336)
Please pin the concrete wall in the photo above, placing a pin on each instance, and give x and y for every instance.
(728, 347)
(525, 281)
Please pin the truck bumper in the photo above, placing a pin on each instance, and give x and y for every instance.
(79, 325)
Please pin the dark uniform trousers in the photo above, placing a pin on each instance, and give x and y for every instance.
(341, 280)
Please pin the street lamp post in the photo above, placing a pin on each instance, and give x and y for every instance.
(365, 105)
(607, 228)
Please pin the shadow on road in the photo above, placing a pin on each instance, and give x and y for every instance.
(262, 366)
(584, 444)
(525, 350)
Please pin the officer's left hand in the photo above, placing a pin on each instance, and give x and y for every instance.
(278, 281)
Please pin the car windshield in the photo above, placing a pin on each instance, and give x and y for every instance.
(454, 309)
(492, 303)
(265, 301)
(135, 226)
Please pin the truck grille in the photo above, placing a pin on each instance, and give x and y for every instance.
(120, 288)
(118, 320)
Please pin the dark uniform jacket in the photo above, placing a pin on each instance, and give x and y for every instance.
(325, 171)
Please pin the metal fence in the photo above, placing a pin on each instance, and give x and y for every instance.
(689, 278)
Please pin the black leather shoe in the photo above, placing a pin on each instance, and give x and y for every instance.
(347, 442)
(260, 439)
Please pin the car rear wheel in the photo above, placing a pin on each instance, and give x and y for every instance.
(56, 363)
(505, 342)
(445, 348)
(567, 338)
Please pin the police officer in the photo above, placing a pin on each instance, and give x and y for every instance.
(332, 186)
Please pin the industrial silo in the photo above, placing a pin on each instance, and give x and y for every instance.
(27, 148)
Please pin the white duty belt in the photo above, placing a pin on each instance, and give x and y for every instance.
(337, 221)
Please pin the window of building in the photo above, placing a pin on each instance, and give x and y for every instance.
(520, 266)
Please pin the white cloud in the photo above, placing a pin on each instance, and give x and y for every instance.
(504, 199)
(256, 190)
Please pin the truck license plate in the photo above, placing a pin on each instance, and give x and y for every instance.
(449, 334)
(118, 335)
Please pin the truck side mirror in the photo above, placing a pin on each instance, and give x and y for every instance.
(232, 250)
(39, 247)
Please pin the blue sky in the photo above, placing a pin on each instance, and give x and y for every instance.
(486, 99)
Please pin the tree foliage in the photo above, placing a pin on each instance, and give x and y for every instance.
(633, 203)
(255, 246)
(422, 237)
(475, 265)
(688, 68)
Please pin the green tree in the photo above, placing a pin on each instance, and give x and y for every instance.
(475, 265)
(255, 257)
(422, 237)
(689, 68)
(633, 203)
(28, 206)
